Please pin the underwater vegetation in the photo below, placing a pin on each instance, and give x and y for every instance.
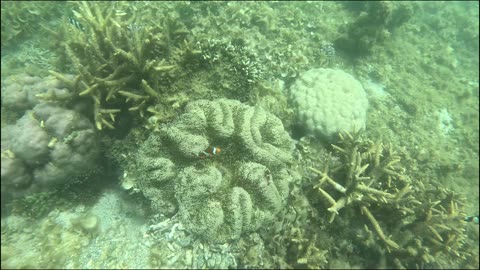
(373, 26)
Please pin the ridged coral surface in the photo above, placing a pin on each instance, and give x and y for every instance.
(221, 195)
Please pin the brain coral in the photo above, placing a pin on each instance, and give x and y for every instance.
(218, 197)
(328, 101)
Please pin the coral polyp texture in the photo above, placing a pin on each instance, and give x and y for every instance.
(218, 195)
(46, 148)
(328, 101)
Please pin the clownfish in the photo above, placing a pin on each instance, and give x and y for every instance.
(209, 152)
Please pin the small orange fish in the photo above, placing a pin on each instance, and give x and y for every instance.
(209, 152)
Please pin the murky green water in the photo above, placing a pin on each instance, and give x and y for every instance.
(104, 165)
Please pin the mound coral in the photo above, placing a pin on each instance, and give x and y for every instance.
(218, 196)
(328, 101)
(46, 148)
(22, 92)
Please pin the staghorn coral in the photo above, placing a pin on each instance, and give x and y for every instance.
(415, 224)
(217, 198)
(124, 56)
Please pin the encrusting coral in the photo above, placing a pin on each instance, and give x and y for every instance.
(218, 194)
(415, 224)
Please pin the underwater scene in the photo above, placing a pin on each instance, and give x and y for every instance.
(225, 135)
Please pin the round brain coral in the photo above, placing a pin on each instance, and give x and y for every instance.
(218, 196)
(328, 101)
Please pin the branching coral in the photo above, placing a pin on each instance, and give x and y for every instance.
(415, 224)
(368, 166)
(122, 56)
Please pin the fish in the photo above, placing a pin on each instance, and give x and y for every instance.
(211, 151)
(473, 219)
(35, 12)
(120, 13)
(76, 24)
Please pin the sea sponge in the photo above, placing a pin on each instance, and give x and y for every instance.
(328, 101)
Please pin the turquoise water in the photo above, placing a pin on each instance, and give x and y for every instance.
(113, 157)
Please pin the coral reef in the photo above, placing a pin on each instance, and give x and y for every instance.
(205, 172)
(48, 147)
(21, 92)
(124, 56)
(20, 19)
(217, 198)
(373, 26)
(409, 223)
(148, 62)
(328, 101)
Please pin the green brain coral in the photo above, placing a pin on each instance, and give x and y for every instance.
(218, 197)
